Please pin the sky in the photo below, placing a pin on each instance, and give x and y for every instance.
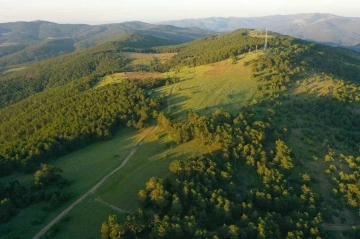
(112, 11)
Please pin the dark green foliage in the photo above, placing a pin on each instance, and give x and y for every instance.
(327, 117)
(47, 175)
(49, 186)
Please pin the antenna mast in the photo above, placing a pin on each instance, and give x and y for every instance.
(266, 39)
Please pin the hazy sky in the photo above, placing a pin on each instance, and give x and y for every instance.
(105, 11)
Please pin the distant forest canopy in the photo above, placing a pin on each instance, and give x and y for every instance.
(25, 42)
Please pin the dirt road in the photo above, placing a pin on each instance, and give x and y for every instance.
(93, 189)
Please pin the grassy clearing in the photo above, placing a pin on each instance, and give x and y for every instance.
(83, 168)
(147, 58)
(84, 220)
(221, 85)
(118, 77)
(151, 160)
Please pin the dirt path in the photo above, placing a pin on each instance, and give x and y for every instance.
(93, 189)
(338, 227)
(99, 199)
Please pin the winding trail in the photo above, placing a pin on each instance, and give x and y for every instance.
(93, 189)
(100, 200)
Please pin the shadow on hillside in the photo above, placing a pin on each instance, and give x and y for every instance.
(177, 105)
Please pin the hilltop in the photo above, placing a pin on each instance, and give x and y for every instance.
(324, 28)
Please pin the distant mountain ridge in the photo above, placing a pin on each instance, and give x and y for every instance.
(19, 39)
(324, 28)
(20, 32)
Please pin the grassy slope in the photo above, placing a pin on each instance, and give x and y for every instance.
(152, 159)
(121, 189)
(219, 85)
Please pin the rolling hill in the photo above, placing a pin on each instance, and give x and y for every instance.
(38, 51)
(104, 58)
(324, 28)
(235, 141)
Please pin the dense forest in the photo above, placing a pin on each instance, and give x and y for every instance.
(67, 118)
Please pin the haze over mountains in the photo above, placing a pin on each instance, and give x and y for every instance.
(324, 28)
(23, 42)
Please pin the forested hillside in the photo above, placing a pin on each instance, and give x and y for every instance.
(17, 85)
(212, 49)
(259, 143)
(263, 178)
(37, 52)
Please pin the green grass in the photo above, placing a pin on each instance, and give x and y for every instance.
(83, 168)
(121, 189)
(85, 220)
(221, 85)
(151, 160)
